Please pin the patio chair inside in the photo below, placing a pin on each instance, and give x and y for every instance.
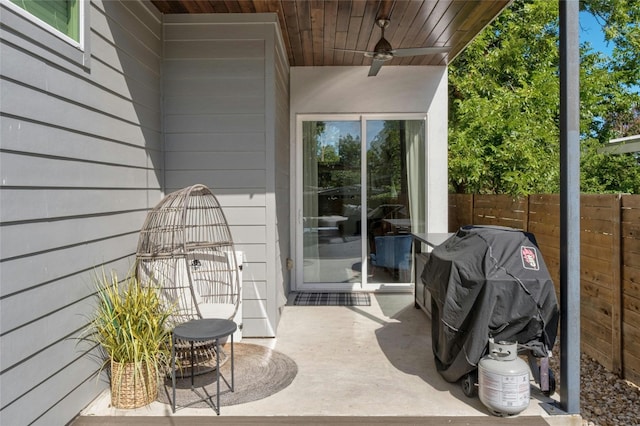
(393, 252)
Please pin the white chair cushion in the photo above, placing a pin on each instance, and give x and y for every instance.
(216, 310)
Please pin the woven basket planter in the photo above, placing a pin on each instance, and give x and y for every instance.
(131, 386)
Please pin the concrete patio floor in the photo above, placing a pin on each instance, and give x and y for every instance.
(354, 361)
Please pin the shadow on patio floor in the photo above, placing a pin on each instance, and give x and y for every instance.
(358, 362)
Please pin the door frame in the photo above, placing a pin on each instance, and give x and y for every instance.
(297, 210)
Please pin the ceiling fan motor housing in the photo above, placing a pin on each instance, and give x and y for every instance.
(383, 50)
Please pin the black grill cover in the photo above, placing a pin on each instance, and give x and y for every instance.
(488, 282)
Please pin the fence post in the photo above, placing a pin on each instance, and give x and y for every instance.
(525, 222)
(616, 285)
(473, 208)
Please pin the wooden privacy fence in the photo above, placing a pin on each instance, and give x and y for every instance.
(609, 262)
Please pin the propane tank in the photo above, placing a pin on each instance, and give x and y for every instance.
(503, 380)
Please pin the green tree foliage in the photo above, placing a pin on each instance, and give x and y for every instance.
(609, 173)
(609, 106)
(504, 93)
(609, 102)
(339, 164)
(504, 106)
(621, 25)
(385, 158)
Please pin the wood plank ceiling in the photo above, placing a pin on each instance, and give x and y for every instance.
(312, 29)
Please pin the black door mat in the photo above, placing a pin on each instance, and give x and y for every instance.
(332, 299)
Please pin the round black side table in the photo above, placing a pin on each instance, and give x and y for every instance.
(201, 330)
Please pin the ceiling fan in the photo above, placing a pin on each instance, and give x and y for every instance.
(384, 52)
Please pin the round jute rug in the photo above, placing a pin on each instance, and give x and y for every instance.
(259, 373)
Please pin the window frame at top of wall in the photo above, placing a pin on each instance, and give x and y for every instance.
(44, 40)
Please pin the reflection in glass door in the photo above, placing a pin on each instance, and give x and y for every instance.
(395, 201)
(332, 247)
(347, 231)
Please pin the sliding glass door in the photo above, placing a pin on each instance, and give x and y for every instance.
(332, 203)
(359, 200)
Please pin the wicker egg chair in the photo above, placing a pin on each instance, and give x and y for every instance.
(185, 248)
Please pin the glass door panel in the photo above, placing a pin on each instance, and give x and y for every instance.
(394, 197)
(331, 185)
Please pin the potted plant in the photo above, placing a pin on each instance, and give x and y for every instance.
(131, 326)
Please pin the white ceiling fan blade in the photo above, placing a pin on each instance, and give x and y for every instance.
(364, 52)
(416, 51)
(375, 67)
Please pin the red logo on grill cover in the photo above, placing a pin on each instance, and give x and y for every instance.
(529, 258)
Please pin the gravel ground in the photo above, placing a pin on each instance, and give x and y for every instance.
(605, 399)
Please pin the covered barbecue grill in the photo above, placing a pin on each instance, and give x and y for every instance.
(488, 282)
